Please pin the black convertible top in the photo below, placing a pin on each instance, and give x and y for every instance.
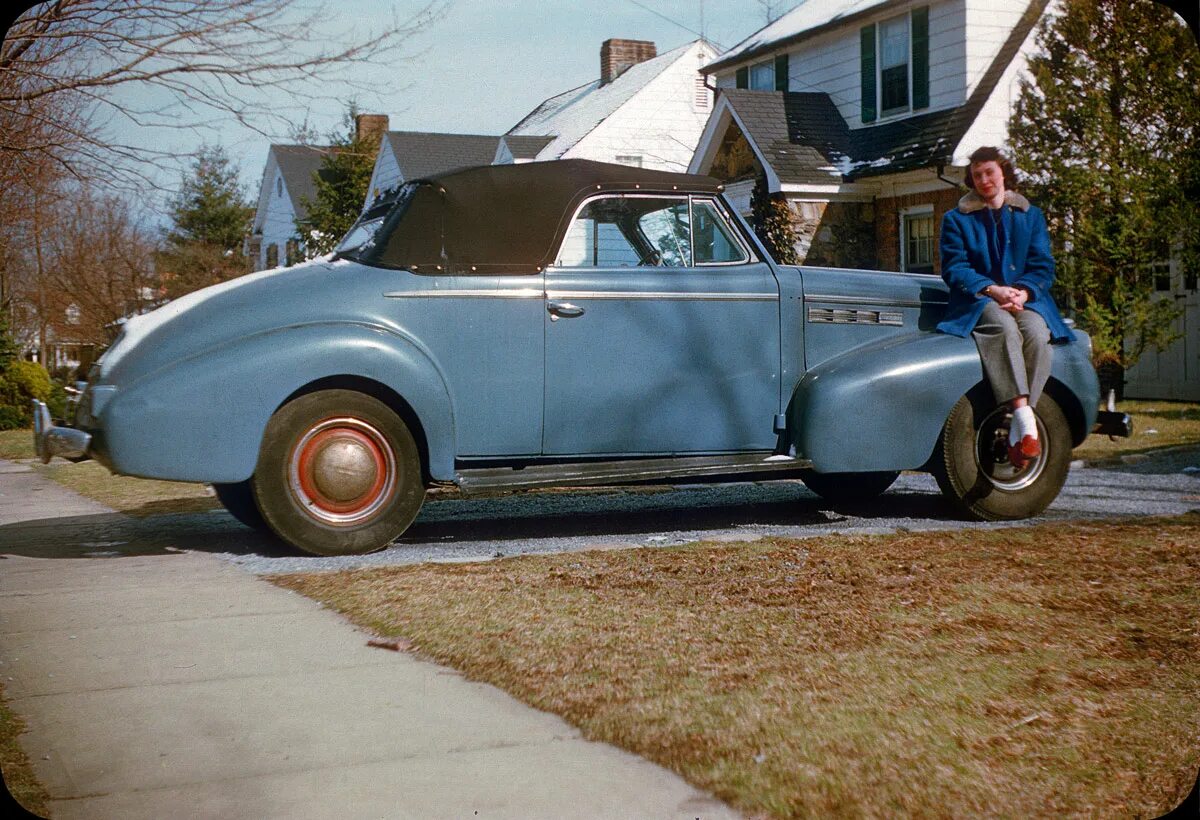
(504, 218)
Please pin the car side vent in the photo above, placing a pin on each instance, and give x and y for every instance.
(855, 317)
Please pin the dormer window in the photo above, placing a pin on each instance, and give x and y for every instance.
(895, 65)
(769, 75)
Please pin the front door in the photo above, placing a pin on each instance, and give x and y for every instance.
(660, 339)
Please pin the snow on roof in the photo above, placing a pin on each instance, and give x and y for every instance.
(571, 115)
(810, 14)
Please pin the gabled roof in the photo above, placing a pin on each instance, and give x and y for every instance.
(526, 147)
(572, 115)
(810, 18)
(805, 140)
(423, 154)
(297, 164)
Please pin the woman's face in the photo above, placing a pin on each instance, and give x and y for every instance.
(988, 178)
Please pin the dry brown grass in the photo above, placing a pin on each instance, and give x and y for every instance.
(1157, 425)
(1052, 670)
(139, 497)
(18, 775)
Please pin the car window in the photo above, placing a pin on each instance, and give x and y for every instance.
(633, 231)
(713, 237)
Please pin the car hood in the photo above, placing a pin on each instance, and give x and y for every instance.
(206, 318)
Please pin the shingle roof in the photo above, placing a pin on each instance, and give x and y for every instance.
(423, 154)
(526, 147)
(572, 115)
(806, 141)
(297, 164)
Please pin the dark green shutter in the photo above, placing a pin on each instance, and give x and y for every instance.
(781, 73)
(920, 57)
(743, 77)
(868, 73)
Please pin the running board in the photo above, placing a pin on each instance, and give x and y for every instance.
(623, 471)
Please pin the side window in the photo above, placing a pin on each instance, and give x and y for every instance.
(713, 237)
(628, 231)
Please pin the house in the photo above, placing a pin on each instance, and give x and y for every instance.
(405, 155)
(287, 182)
(861, 115)
(645, 109)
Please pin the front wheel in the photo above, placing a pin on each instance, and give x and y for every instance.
(338, 474)
(972, 468)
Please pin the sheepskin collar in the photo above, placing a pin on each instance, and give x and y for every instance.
(973, 202)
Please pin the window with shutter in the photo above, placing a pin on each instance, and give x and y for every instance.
(867, 41)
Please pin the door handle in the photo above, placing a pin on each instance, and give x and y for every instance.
(563, 310)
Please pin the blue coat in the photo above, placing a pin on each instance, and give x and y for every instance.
(1025, 261)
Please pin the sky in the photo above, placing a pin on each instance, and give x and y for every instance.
(482, 66)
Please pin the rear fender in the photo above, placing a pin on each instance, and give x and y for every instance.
(203, 418)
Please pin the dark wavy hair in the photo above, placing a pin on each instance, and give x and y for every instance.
(989, 153)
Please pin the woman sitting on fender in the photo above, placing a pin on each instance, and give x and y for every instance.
(996, 260)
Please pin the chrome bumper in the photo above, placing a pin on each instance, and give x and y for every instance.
(50, 441)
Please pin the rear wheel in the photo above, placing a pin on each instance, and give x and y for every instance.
(338, 474)
(842, 488)
(238, 499)
(972, 468)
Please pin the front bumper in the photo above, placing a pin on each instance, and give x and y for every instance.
(50, 441)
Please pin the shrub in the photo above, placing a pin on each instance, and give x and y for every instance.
(20, 382)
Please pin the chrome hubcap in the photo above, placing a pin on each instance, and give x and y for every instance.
(342, 471)
(991, 453)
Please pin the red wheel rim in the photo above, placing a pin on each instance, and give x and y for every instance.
(342, 471)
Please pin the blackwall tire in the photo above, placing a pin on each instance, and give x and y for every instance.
(971, 463)
(338, 474)
(238, 500)
(843, 488)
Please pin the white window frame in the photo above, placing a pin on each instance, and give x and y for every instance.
(893, 112)
(902, 230)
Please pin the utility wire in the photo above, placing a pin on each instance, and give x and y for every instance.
(673, 22)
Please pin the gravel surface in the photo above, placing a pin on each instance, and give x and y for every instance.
(451, 528)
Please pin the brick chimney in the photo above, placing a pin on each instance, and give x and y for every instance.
(370, 127)
(618, 55)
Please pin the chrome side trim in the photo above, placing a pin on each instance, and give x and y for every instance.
(663, 295)
(842, 316)
(869, 300)
(467, 293)
(624, 471)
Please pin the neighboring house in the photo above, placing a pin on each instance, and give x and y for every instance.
(646, 109)
(288, 180)
(405, 155)
(1175, 372)
(862, 113)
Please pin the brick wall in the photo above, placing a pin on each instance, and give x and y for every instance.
(887, 224)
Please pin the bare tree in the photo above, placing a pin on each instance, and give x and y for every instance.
(176, 64)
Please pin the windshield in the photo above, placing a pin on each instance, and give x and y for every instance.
(361, 236)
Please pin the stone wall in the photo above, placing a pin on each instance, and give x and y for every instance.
(834, 234)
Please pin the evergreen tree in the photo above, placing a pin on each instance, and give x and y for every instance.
(772, 221)
(210, 217)
(1106, 129)
(341, 188)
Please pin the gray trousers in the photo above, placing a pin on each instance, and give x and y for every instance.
(1015, 349)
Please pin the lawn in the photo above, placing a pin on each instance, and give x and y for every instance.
(1039, 671)
(18, 775)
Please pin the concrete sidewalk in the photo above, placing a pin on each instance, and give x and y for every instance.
(175, 684)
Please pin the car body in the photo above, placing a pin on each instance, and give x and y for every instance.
(554, 323)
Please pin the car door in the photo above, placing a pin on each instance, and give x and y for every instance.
(659, 338)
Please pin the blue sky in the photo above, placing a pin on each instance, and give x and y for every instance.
(484, 64)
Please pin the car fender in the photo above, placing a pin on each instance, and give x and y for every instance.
(882, 406)
(202, 418)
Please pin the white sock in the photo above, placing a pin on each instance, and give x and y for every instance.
(1023, 424)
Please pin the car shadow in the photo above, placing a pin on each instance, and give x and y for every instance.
(532, 515)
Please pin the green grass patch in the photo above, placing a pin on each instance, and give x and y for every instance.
(1023, 671)
(18, 774)
(16, 444)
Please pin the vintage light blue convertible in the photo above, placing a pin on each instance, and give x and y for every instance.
(558, 323)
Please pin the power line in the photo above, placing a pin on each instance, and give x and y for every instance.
(674, 22)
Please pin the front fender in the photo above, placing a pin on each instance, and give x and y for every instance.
(202, 418)
(882, 406)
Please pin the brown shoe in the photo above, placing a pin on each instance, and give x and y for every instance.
(1023, 451)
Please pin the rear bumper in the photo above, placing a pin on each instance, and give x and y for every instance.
(50, 441)
(1112, 423)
